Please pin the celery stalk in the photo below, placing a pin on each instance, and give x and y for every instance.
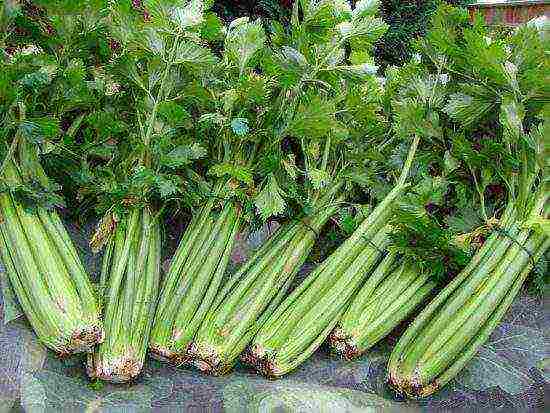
(130, 277)
(193, 281)
(254, 292)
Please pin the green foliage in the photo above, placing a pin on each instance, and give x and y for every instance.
(270, 201)
(407, 20)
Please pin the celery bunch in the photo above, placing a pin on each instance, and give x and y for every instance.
(129, 283)
(390, 294)
(449, 331)
(44, 268)
(193, 280)
(305, 318)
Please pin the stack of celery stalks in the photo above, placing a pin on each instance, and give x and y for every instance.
(433, 176)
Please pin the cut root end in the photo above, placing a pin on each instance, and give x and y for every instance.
(260, 359)
(206, 359)
(116, 370)
(410, 386)
(343, 344)
(83, 340)
(163, 354)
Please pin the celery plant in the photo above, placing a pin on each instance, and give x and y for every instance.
(44, 269)
(232, 126)
(448, 332)
(316, 91)
(40, 84)
(159, 54)
(129, 284)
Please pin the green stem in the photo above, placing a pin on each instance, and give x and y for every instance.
(408, 162)
(153, 116)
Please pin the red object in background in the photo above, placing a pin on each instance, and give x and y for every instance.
(114, 45)
(510, 13)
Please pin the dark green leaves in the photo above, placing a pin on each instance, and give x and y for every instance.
(470, 105)
(428, 244)
(34, 194)
(174, 113)
(313, 119)
(39, 130)
(192, 54)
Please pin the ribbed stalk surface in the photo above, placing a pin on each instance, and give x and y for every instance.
(130, 282)
(47, 275)
(193, 280)
(450, 330)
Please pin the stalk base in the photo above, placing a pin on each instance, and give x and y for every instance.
(160, 353)
(205, 358)
(259, 358)
(84, 339)
(410, 386)
(343, 344)
(116, 370)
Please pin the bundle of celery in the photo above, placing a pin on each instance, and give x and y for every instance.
(236, 142)
(316, 92)
(44, 269)
(424, 251)
(40, 84)
(424, 255)
(193, 280)
(129, 282)
(388, 296)
(305, 319)
(449, 331)
(158, 55)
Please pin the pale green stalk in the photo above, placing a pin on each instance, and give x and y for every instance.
(475, 312)
(301, 324)
(130, 280)
(46, 274)
(254, 292)
(195, 278)
(483, 334)
(387, 298)
(448, 332)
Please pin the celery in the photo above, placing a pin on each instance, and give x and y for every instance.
(388, 296)
(307, 316)
(193, 280)
(46, 274)
(130, 280)
(442, 339)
